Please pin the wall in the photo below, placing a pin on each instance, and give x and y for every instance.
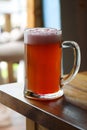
(74, 27)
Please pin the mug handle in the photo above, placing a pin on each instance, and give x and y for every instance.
(77, 60)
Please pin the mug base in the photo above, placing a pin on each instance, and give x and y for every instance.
(51, 96)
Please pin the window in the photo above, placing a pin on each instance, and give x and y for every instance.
(51, 13)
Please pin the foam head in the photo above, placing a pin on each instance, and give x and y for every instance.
(42, 35)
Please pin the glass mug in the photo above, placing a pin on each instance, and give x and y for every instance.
(43, 57)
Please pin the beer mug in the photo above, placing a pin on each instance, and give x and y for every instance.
(43, 63)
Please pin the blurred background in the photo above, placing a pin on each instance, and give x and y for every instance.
(16, 15)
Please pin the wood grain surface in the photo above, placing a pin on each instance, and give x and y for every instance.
(53, 115)
(76, 91)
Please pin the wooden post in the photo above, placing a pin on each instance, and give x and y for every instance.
(31, 125)
(10, 72)
(34, 13)
(1, 79)
(7, 22)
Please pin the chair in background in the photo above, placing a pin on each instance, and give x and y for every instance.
(11, 53)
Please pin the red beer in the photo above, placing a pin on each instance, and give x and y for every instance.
(43, 62)
(43, 56)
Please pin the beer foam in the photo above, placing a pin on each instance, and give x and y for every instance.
(41, 35)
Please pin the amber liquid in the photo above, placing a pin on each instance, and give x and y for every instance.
(43, 67)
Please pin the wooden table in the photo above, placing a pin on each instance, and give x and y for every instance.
(43, 115)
